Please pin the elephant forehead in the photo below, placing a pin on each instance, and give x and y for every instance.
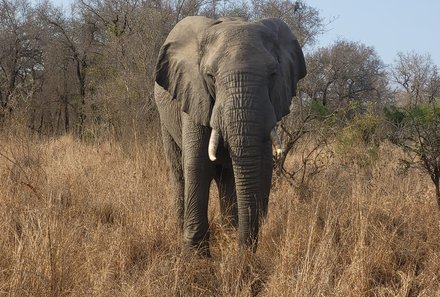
(238, 42)
(239, 32)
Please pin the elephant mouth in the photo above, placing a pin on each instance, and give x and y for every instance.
(214, 140)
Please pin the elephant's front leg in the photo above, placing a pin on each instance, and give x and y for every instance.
(174, 159)
(198, 173)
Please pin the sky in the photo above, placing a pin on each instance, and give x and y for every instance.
(390, 26)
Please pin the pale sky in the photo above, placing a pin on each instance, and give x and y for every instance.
(390, 26)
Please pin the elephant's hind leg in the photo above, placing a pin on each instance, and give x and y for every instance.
(228, 197)
(173, 155)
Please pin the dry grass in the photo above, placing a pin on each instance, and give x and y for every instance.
(96, 220)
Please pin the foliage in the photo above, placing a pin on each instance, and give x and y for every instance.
(319, 110)
(417, 76)
(91, 68)
(351, 133)
(416, 129)
(357, 142)
(344, 72)
(311, 123)
(303, 19)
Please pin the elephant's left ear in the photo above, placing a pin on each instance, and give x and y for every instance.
(292, 66)
(177, 68)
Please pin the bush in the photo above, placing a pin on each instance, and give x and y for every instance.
(416, 130)
(359, 140)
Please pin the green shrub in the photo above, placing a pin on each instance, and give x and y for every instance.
(416, 130)
(358, 141)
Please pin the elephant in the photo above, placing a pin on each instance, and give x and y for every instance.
(221, 86)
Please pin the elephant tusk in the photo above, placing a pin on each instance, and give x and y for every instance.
(213, 144)
(276, 141)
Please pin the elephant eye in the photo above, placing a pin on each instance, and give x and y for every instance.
(273, 69)
(210, 85)
(212, 78)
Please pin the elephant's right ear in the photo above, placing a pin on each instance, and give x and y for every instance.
(177, 68)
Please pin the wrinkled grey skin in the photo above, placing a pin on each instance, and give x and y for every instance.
(236, 77)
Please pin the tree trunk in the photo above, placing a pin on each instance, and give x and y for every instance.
(66, 115)
(437, 193)
(81, 66)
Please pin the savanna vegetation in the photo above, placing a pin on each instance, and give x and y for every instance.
(85, 208)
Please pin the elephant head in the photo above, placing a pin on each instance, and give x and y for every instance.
(238, 78)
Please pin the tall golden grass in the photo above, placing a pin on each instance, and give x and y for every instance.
(82, 219)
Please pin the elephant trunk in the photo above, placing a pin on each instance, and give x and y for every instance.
(246, 160)
(245, 131)
(251, 158)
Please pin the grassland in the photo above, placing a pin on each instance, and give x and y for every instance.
(95, 219)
